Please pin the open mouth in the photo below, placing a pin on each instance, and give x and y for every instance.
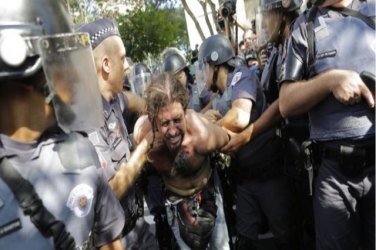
(174, 140)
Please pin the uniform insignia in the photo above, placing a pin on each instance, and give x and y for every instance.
(112, 125)
(10, 227)
(93, 137)
(80, 200)
(236, 78)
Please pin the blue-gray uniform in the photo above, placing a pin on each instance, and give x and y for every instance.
(194, 98)
(113, 143)
(344, 191)
(63, 170)
(261, 189)
(205, 96)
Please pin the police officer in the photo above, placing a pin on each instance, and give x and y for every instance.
(112, 141)
(51, 195)
(175, 64)
(325, 56)
(261, 187)
(276, 19)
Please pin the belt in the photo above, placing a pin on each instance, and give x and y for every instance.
(364, 153)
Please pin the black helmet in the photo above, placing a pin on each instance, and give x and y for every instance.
(20, 28)
(286, 5)
(216, 50)
(251, 55)
(174, 64)
(140, 68)
(139, 78)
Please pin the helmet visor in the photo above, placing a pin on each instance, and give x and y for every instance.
(139, 83)
(202, 75)
(71, 76)
(262, 39)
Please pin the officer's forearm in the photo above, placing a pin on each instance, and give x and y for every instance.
(128, 172)
(268, 119)
(299, 97)
(234, 120)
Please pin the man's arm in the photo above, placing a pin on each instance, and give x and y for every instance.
(209, 137)
(237, 118)
(299, 97)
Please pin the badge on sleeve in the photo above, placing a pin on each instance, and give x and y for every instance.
(80, 200)
(236, 78)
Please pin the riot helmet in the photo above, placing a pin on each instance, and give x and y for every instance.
(270, 18)
(251, 58)
(283, 5)
(38, 35)
(215, 50)
(139, 78)
(174, 63)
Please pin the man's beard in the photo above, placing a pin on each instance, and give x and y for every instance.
(174, 147)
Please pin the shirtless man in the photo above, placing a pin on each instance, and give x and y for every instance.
(183, 141)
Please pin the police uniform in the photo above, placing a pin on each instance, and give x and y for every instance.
(194, 98)
(63, 170)
(261, 189)
(112, 141)
(293, 132)
(344, 192)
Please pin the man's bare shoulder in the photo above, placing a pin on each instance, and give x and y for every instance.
(197, 125)
(196, 121)
(141, 128)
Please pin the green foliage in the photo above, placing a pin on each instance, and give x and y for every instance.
(148, 31)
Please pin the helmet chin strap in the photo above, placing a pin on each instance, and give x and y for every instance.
(213, 86)
(282, 27)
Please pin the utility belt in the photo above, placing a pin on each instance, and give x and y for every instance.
(196, 215)
(352, 159)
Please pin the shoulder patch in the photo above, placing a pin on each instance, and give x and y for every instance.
(94, 138)
(80, 200)
(236, 78)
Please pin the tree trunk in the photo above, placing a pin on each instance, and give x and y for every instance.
(214, 14)
(203, 5)
(198, 27)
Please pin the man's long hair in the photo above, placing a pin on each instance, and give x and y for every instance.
(163, 90)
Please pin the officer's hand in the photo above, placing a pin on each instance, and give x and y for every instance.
(155, 140)
(213, 115)
(237, 141)
(350, 89)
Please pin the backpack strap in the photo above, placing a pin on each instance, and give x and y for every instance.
(32, 206)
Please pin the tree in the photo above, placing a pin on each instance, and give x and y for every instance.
(146, 31)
